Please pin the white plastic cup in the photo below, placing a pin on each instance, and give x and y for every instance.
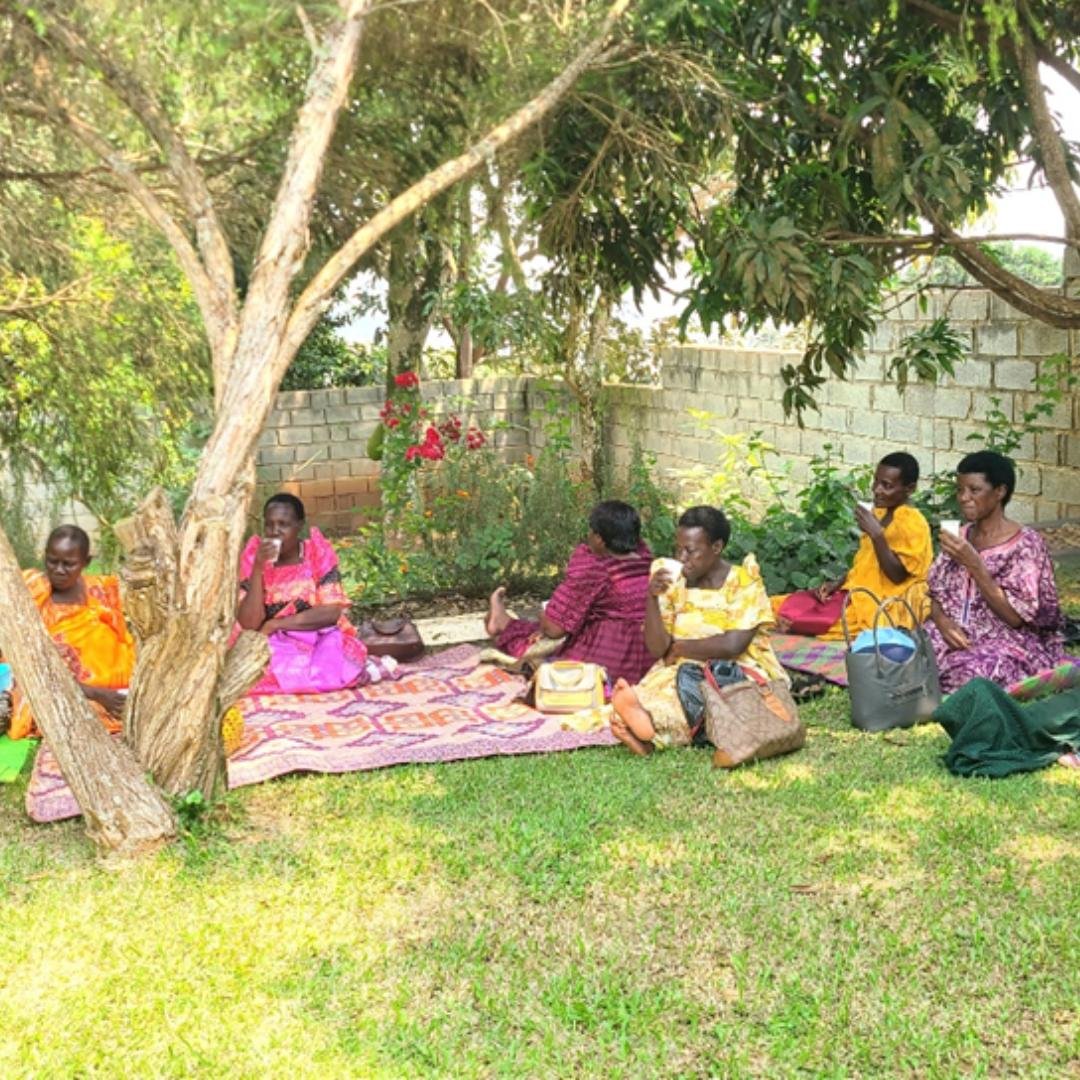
(952, 526)
(867, 506)
(672, 566)
(277, 548)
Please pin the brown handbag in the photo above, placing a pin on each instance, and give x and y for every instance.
(395, 636)
(751, 719)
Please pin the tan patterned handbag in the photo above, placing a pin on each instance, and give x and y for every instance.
(751, 719)
(569, 686)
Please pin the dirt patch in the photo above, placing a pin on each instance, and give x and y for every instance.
(527, 605)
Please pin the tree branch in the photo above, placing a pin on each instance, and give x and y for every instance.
(1054, 160)
(319, 292)
(57, 110)
(1046, 305)
(22, 303)
(280, 257)
(834, 239)
(209, 235)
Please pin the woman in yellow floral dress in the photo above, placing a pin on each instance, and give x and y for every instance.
(712, 611)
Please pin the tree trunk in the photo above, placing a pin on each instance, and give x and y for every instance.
(464, 365)
(124, 815)
(415, 270)
(465, 251)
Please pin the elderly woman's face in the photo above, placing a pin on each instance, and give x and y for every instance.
(281, 523)
(696, 552)
(64, 562)
(977, 496)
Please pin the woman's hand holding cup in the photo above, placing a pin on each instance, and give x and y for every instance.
(665, 573)
(268, 551)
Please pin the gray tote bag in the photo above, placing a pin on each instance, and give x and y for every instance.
(884, 693)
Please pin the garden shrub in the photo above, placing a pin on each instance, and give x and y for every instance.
(456, 517)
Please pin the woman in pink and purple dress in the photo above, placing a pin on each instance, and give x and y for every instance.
(994, 605)
(290, 590)
(599, 606)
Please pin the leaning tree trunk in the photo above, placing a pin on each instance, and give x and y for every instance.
(124, 814)
(185, 679)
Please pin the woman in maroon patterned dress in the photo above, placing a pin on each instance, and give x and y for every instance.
(995, 612)
(599, 606)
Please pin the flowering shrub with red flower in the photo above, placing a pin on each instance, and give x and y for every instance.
(411, 437)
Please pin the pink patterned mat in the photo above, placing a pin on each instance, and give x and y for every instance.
(446, 707)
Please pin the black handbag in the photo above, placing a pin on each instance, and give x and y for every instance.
(888, 693)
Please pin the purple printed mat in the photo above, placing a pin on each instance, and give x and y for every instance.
(446, 707)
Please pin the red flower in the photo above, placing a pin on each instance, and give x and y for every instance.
(407, 380)
(393, 422)
(475, 438)
(451, 429)
(433, 451)
(413, 453)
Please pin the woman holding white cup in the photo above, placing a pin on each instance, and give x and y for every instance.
(995, 612)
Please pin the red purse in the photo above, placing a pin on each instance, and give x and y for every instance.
(806, 614)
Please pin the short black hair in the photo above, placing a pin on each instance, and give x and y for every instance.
(709, 518)
(908, 465)
(618, 524)
(283, 498)
(997, 468)
(71, 532)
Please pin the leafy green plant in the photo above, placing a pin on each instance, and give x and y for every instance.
(928, 353)
(326, 359)
(798, 549)
(656, 503)
(742, 480)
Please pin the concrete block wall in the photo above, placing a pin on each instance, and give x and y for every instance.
(315, 443)
(44, 511)
(866, 417)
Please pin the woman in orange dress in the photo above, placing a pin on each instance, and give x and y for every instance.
(84, 618)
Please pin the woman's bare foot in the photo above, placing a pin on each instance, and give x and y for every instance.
(628, 738)
(631, 724)
(498, 618)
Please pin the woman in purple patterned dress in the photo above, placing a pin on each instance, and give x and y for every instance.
(995, 612)
(599, 606)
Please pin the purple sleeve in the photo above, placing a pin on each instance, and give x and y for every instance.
(585, 581)
(1027, 581)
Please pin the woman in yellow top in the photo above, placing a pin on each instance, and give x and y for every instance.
(893, 557)
(713, 611)
(83, 616)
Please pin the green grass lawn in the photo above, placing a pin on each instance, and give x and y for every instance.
(851, 910)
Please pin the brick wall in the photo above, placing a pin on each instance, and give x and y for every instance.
(315, 443)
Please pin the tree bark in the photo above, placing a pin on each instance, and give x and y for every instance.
(414, 270)
(124, 815)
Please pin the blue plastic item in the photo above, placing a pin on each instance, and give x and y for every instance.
(5, 677)
(893, 644)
